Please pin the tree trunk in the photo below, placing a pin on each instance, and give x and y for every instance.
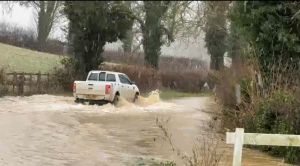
(46, 16)
(152, 32)
(127, 41)
(216, 33)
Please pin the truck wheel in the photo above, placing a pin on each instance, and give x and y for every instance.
(116, 99)
(136, 96)
(77, 100)
(91, 102)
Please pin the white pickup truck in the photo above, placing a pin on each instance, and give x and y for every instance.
(105, 86)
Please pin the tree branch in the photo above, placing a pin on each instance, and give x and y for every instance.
(168, 33)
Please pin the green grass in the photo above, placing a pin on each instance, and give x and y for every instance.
(16, 59)
(171, 94)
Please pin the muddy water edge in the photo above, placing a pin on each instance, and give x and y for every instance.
(53, 130)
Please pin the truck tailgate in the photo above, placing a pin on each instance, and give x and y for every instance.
(90, 88)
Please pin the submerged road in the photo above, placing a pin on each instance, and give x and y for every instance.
(53, 130)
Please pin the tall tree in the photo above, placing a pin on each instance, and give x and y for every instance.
(127, 41)
(92, 24)
(173, 19)
(47, 15)
(272, 31)
(152, 33)
(216, 32)
(153, 30)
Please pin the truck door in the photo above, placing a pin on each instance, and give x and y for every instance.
(130, 88)
(111, 80)
(124, 86)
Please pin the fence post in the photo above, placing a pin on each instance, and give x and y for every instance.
(238, 93)
(20, 83)
(238, 147)
(48, 80)
(30, 83)
(14, 81)
(2, 77)
(39, 82)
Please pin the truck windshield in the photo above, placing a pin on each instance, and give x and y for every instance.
(124, 79)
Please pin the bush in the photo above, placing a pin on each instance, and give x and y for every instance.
(184, 81)
(165, 63)
(147, 79)
(271, 109)
(279, 114)
(68, 74)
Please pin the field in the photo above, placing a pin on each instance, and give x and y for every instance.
(24, 60)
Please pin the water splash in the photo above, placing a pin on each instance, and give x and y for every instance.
(151, 102)
(152, 98)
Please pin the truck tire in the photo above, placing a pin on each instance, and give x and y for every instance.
(91, 102)
(80, 101)
(116, 99)
(136, 96)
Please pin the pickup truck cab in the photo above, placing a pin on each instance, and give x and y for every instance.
(105, 86)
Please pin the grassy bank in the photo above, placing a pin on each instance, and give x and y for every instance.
(24, 60)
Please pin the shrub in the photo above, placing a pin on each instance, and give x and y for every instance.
(184, 81)
(147, 79)
(205, 151)
(271, 109)
(279, 114)
(68, 74)
(165, 63)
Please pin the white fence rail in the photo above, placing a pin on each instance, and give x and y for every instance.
(239, 138)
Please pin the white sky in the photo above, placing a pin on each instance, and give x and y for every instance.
(19, 15)
(24, 17)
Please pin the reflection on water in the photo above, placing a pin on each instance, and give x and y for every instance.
(53, 130)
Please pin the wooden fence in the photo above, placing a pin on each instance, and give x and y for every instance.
(29, 83)
(239, 138)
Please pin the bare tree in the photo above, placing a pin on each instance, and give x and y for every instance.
(47, 13)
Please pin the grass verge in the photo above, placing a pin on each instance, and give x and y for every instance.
(16, 59)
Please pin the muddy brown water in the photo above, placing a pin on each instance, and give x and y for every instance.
(53, 130)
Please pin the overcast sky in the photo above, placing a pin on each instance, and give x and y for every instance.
(24, 17)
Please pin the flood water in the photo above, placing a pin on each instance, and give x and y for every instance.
(53, 130)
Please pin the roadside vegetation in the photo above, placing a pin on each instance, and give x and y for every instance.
(206, 148)
(264, 44)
